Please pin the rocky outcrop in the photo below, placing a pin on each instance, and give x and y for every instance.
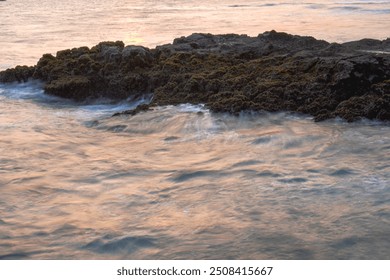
(228, 73)
(17, 74)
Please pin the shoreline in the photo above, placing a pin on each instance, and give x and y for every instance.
(274, 71)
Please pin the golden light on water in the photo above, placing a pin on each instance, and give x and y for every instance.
(134, 39)
(76, 183)
(31, 31)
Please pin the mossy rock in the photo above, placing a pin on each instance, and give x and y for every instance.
(73, 87)
(17, 74)
(229, 73)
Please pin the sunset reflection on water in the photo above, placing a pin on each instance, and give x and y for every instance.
(181, 182)
(175, 183)
(31, 28)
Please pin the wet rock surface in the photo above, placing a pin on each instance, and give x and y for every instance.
(228, 73)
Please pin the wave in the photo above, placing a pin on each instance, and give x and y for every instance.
(32, 91)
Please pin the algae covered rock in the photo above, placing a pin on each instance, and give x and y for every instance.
(228, 73)
(75, 87)
(17, 74)
(136, 56)
(108, 69)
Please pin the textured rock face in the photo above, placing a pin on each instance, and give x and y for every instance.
(228, 73)
(17, 74)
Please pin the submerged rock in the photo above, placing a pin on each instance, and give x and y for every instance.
(228, 73)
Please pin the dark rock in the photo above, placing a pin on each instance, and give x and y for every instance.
(135, 56)
(368, 106)
(17, 74)
(138, 109)
(228, 73)
(75, 87)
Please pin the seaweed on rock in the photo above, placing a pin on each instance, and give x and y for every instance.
(228, 73)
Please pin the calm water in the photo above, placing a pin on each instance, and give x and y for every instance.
(180, 182)
(29, 28)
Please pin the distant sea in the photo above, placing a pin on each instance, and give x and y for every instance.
(30, 28)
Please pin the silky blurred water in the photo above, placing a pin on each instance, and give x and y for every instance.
(180, 182)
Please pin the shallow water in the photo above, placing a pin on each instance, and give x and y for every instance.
(180, 182)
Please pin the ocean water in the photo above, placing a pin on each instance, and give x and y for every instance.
(29, 28)
(180, 182)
